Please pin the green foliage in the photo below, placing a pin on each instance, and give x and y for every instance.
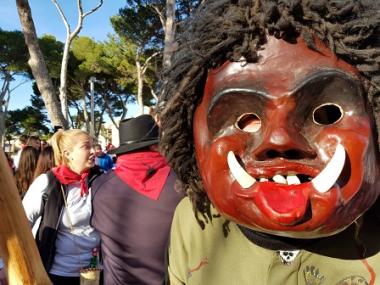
(88, 53)
(105, 62)
(13, 51)
(119, 58)
(139, 34)
(26, 121)
(37, 102)
(52, 51)
(139, 23)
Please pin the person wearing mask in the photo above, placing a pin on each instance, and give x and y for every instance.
(268, 119)
(62, 197)
(133, 206)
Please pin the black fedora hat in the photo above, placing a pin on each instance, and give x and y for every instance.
(136, 133)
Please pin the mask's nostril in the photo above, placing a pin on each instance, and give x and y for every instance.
(292, 154)
(272, 153)
(287, 154)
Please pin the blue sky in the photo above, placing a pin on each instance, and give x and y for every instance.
(48, 21)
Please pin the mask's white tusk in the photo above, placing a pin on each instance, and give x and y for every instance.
(242, 177)
(328, 176)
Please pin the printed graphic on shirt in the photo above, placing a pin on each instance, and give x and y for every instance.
(288, 256)
(353, 280)
(202, 263)
(312, 276)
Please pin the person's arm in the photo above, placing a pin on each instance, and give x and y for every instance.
(32, 201)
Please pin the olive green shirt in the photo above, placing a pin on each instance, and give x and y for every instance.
(206, 257)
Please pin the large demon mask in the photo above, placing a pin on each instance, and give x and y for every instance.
(285, 145)
(270, 112)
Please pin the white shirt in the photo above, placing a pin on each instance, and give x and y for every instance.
(75, 238)
(16, 159)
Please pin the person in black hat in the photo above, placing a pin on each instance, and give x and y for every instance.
(133, 206)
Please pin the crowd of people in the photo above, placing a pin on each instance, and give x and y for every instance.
(269, 119)
(75, 196)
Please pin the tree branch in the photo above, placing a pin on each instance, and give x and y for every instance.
(64, 19)
(18, 85)
(108, 108)
(93, 9)
(153, 94)
(145, 66)
(160, 15)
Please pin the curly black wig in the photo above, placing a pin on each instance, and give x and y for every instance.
(222, 30)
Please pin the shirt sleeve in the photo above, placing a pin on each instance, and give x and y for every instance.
(32, 201)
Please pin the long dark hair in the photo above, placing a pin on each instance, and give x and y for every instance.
(222, 30)
(45, 161)
(25, 171)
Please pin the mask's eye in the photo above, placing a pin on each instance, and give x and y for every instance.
(327, 114)
(248, 122)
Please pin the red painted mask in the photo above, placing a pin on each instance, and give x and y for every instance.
(285, 145)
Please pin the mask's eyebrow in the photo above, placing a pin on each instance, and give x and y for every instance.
(325, 74)
(254, 92)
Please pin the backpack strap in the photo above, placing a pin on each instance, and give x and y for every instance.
(46, 195)
(94, 172)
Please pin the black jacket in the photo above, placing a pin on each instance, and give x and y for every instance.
(51, 216)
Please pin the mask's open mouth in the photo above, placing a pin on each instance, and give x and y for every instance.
(284, 195)
(323, 182)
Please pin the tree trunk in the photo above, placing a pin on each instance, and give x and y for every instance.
(38, 65)
(70, 36)
(99, 125)
(63, 78)
(169, 33)
(3, 117)
(140, 81)
(108, 109)
(4, 100)
(17, 246)
(85, 113)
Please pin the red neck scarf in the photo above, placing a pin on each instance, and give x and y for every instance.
(66, 176)
(146, 172)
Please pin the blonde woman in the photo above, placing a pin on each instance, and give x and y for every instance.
(62, 197)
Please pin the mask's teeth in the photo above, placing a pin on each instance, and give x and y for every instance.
(292, 179)
(263, 179)
(330, 174)
(241, 176)
(279, 179)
